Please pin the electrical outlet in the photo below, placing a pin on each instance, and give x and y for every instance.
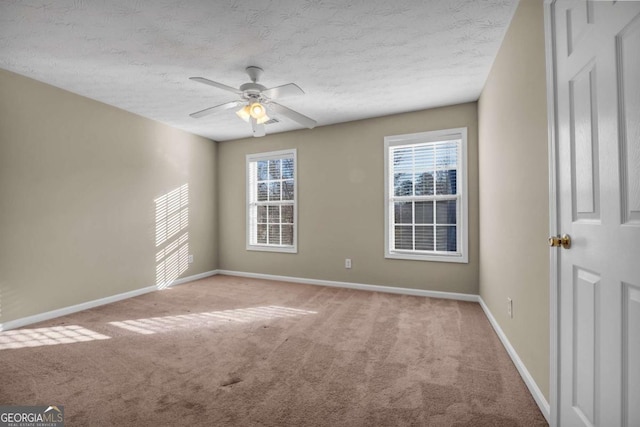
(510, 308)
(190, 259)
(347, 263)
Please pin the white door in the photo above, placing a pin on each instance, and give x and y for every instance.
(597, 104)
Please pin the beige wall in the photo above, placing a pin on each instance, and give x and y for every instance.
(514, 206)
(341, 204)
(78, 181)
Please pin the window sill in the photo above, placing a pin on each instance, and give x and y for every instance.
(456, 257)
(267, 248)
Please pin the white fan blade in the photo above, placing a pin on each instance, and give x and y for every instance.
(283, 91)
(216, 84)
(215, 109)
(293, 115)
(258, 129)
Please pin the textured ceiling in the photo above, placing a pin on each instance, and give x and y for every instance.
(354, 59)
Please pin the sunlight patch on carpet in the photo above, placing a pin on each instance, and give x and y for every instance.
(154, 325)
(21, 338)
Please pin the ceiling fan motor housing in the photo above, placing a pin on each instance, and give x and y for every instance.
(251, 90)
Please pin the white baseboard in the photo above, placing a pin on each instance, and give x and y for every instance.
(522, 369)
(360, 286)
(194, 277)
(41, 317)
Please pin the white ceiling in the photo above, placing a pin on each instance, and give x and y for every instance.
(354, 59)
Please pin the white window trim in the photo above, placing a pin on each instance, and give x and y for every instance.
(272, 155)
(462, 256)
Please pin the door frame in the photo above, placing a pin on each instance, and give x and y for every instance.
(554, 314)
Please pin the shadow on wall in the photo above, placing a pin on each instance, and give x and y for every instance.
(172, 237)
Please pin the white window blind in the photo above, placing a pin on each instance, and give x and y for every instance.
(426, 198)
(271, 201)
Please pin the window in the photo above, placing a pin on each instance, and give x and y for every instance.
(426, 196)
(271, 201)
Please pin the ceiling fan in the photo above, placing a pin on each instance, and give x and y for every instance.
(256, 102)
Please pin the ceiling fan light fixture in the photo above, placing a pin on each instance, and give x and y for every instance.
(244, 113)
(263, 119)
(257, 110)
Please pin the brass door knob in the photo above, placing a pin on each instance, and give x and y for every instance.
(557, 241)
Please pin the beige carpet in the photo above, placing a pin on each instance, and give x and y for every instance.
(243, 352)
